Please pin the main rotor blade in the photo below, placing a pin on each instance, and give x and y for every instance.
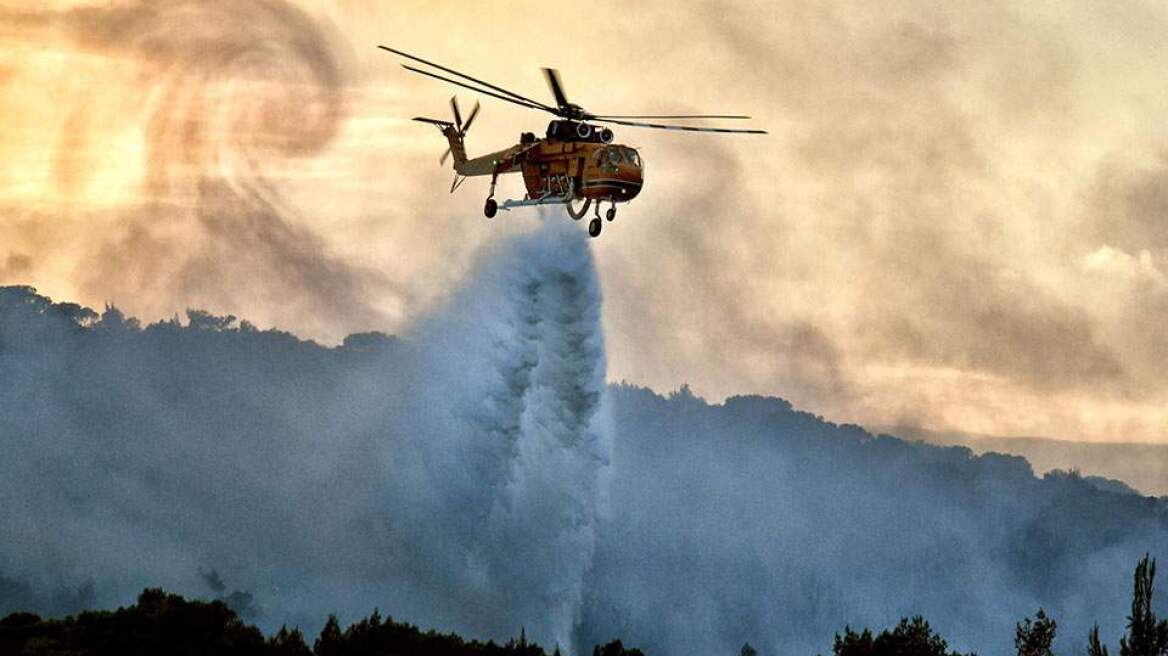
(467, 77)
(470, 119)
(476, 89)
(433, 121)
(557, 87)
(457, 114)
(677, 117)
(684, 128)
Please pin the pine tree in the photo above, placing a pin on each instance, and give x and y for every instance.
(1094, 646)
(1145, 636)
(288, 643)
(329, 643)
(1035, 638)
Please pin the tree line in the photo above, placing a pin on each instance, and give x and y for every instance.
(162, 623)
(1146, 634)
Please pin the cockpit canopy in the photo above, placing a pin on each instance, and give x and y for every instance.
(618, 155)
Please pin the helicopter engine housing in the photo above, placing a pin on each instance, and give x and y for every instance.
(565, 130)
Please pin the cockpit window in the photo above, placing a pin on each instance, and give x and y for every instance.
(617, 155)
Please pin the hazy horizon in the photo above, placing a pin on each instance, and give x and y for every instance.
(1143, 466)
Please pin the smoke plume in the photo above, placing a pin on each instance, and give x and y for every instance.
(228, 94)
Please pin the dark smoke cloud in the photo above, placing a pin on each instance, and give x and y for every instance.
(231, 90)
(196, 50)
(14, 266)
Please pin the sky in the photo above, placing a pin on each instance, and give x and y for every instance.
(956, 221)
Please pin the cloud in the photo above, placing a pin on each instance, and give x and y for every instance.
(917, 207)
(1123, 262)
(227, 93)
(1128, 203)
(14, 266)
(872, 219)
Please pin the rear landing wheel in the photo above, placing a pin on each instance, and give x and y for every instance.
(490, 208)
(610, 214)
(594, 227)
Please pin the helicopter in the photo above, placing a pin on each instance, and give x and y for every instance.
(576, 160)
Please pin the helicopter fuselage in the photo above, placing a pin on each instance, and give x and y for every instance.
(573, 162)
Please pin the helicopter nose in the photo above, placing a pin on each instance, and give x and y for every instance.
(631, 179)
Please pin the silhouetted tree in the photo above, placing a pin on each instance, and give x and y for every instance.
(747, 650)
(1035, 638)
(288, 643)
(329, 642)
(852, 643)
(615, 648)
(1145, 635)
(910, 638)
(78, 314)
(203, 320)
(113, 320)
(162, 623)
(1095, 647)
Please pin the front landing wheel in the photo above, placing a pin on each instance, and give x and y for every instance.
(490, 208)
(610, 214)
(594, 227)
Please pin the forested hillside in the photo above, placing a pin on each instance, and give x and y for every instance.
(478, 477)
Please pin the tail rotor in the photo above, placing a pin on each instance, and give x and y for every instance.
(461, 127)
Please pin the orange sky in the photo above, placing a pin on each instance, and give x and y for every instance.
(956, 222)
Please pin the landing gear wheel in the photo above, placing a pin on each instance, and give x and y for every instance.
(610, 214)
(594, 227)
(490, 208)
